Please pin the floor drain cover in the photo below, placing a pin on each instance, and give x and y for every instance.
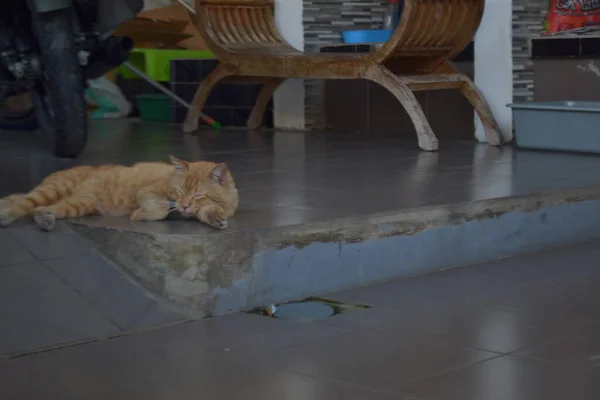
(309, 309)
(304, 311)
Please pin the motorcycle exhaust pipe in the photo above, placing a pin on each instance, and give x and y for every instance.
(108, 55)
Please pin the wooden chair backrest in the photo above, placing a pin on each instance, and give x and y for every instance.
(430, 33)
(232, 27)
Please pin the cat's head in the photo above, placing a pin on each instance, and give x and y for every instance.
(194, 183)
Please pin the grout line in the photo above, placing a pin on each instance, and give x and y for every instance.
(22, 244)
(321, 378)
(80, 293)
(556, 363)
(94, 340)
(448, 370)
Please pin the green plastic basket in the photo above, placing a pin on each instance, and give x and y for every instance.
(155, 107)
(156, 63)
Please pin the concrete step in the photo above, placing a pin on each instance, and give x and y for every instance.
(207, 272)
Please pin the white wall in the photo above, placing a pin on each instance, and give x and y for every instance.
(493, 64)
(289, 98)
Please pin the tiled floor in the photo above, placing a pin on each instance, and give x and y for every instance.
(291, 178)
(55, 289)
(486, 332)
(511, 329)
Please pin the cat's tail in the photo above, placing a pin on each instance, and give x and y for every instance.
(42, 196)
(8, 201)
(18, 206)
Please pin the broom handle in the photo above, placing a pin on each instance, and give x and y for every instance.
(187, 6)
(172, 95)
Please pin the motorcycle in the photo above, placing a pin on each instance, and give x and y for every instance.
(50, 49)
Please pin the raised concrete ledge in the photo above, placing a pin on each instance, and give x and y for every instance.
(207, 272)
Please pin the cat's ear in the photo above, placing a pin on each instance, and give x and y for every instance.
(219, 174)
(179, 165)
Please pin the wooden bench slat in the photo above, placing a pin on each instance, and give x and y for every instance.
(236, 3)
(245, 25)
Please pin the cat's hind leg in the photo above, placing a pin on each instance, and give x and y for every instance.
(69, 207)
(18, 206)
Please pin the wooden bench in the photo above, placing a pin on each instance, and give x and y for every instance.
(243, 36)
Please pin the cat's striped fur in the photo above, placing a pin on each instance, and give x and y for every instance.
(145, 191)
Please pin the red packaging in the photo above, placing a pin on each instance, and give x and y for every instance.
(566, 15)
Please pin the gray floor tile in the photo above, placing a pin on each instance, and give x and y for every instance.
(109, 291)
(236, 336)
(235, 382)
(568, 265)
(463, 285)
(372, 360)
(92, 368)
(463, 326)
(62, 242)
(31, 295)
(579, 351)
(554, 299)
(20, 334)
(509, 378)
(12, 251)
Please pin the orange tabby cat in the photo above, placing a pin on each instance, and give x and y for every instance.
(146, 191)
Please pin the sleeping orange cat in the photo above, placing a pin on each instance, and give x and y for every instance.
(145, 191)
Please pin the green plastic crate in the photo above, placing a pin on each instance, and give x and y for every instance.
(155, 107)
(156, 63)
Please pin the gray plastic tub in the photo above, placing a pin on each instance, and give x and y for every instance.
(558, 125)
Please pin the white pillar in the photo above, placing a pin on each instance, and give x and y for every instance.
(493, 64)
(289, 98)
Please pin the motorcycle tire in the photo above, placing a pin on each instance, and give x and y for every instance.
(20, 121)
(63, 117)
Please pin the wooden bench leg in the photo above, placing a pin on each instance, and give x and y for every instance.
(475, 97)
(255, 120)
(425, 135)
(202, 93)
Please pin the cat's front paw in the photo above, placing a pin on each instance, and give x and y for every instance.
(139, 215)
(216, 218)
(148, 215)
(44, 219)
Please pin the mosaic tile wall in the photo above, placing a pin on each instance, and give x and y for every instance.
(324, 21)
(527, 22)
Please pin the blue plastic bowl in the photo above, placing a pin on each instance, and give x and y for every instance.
(373, 36)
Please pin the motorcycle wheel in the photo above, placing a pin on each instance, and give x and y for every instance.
(18, 115)
(59, 97)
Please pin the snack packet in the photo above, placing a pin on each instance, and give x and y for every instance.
(572, 15)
